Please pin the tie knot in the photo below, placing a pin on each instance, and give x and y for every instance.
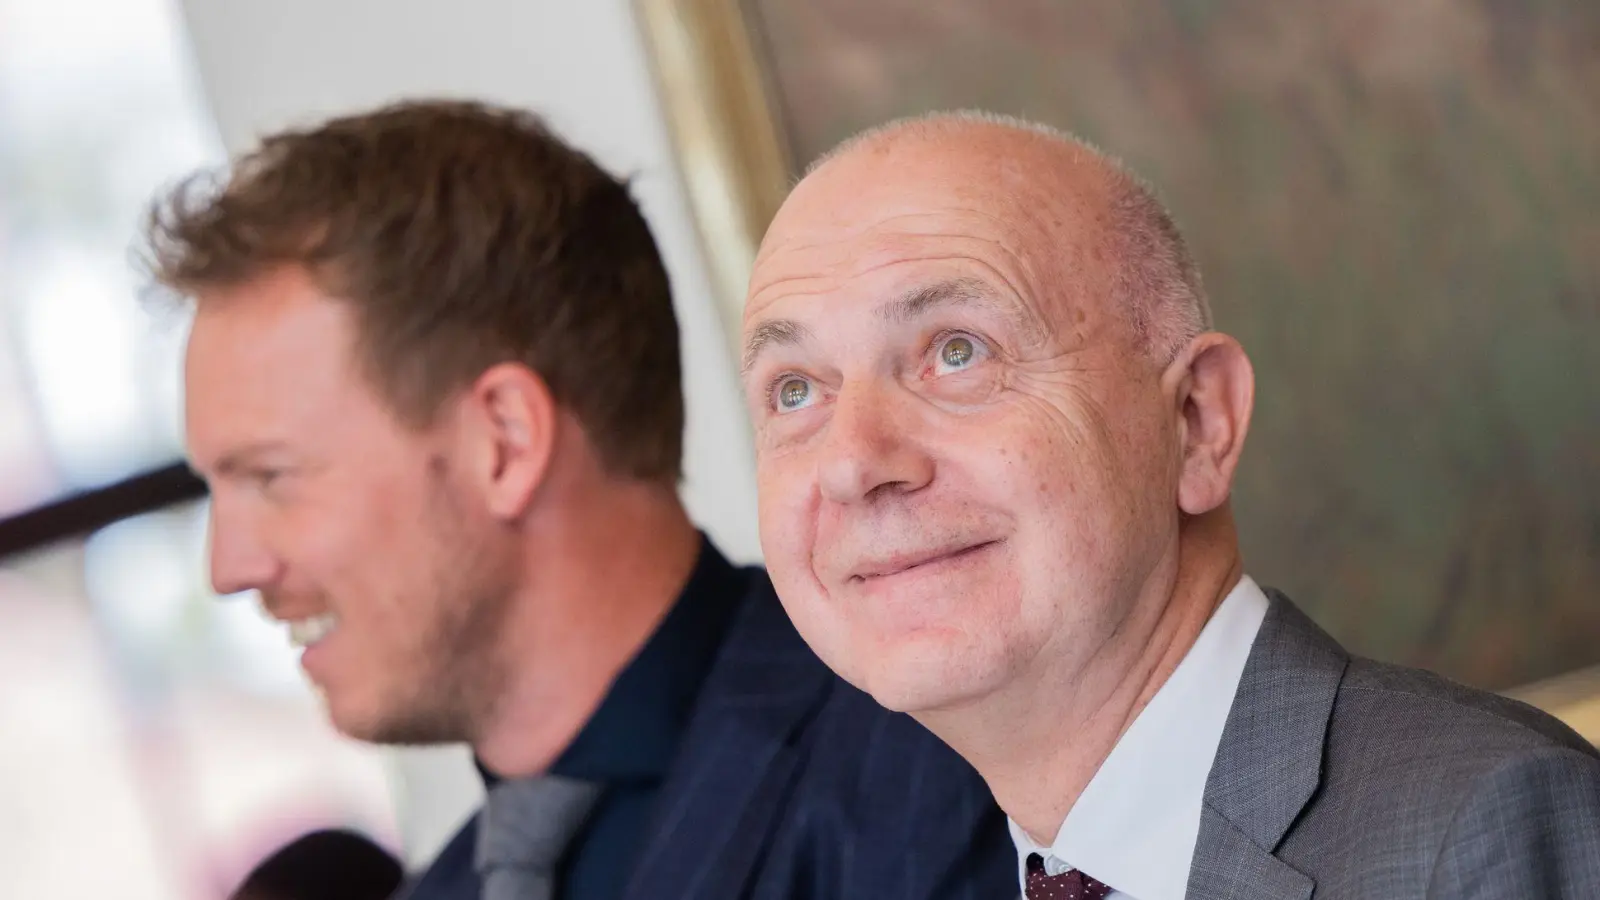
(527, 824)
(1069, 885)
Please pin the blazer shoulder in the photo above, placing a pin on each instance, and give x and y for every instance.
(1534, 819)
(1461, 717)
(1408, 737)
(1377, 705)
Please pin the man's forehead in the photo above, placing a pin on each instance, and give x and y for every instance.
(835, 232)
(825, 258)
(1005, 172)
(830, 207)
(262, 323)
(257, 353)
(1040, 279)
(1019, 215)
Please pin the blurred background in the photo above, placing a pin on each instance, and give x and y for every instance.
(1397, 207)
(156, 742)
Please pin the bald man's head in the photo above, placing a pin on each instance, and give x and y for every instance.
(1156, 284)
(986, 403)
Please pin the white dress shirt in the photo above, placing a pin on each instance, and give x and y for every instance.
(1135, 825)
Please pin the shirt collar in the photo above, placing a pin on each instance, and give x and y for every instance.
(634, 732)
(1135, 825)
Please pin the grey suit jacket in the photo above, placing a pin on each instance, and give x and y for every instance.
(1339, 777)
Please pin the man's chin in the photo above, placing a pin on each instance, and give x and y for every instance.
(924, 671)
(917, 697)
(917, 680)
(377, 726)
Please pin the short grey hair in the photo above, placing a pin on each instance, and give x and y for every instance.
(1158, 281)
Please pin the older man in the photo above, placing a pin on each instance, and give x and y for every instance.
(996, 439)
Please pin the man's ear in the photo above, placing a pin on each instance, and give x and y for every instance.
(510, 422)
(1213, 388)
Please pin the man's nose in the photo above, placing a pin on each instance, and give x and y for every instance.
(240, 560)
(869, 448)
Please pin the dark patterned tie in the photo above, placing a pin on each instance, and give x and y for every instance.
(1070, 885)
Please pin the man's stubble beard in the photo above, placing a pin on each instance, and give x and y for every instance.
(460, 670)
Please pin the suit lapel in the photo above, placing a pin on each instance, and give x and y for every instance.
(1228, 865)
(737, 762)
(451, 875)
(1269, 762)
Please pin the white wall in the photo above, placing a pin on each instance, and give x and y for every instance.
(582, 64)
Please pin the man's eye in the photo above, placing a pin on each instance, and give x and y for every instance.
(792, 393)
(957, 352)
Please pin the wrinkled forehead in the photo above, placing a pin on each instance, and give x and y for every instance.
(989, 220)
(828, 259)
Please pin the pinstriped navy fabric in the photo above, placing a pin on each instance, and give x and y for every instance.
(792, 785)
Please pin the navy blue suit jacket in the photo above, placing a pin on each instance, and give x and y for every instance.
(792, 785)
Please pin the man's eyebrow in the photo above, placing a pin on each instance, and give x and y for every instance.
(241, 458)
(955, 292)
(917, 301)
(769, 333)
(905, 308)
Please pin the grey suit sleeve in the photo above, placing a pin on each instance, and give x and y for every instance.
(1530, 828)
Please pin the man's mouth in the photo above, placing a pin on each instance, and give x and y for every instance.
(900, 563)
(308, 631)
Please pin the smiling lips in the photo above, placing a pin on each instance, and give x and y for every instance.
(306, 632)
(902, 563)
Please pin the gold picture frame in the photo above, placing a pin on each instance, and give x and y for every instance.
(729, 145)
(734, 158)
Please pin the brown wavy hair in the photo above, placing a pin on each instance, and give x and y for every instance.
(462, 235)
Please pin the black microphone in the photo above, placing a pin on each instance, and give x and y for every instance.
(324, 865)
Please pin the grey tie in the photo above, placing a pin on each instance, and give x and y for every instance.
(525, 827)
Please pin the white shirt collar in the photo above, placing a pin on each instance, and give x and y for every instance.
(1135, 825)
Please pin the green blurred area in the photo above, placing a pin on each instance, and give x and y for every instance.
(1397, 210)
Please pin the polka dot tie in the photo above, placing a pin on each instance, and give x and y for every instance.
(1072, 885)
